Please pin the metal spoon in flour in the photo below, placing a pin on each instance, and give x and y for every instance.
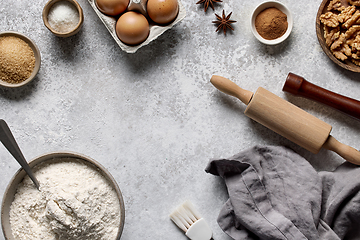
(9, 142)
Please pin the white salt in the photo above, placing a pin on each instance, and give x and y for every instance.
(63, 16)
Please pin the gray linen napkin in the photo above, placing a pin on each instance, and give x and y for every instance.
(274, 193)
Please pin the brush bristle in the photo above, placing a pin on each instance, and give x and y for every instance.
(185, 215)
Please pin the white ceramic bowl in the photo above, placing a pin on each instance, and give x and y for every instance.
(282, 8)
(18, 177)
(36, 54)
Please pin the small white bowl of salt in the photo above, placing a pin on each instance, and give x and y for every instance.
(63, 18)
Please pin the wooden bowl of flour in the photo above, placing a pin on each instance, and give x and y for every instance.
(81, 195)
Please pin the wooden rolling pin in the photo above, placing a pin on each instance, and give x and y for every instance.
(287, 119)
(299, 86)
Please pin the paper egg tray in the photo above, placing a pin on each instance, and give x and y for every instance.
(155, 30)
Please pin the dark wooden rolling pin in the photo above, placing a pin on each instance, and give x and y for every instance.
(287, 119)
(300, 87)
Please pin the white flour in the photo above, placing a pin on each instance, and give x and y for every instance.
(74, 202)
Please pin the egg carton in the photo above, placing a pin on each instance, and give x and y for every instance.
(140, 6)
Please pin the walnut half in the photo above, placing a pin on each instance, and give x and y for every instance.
(355, 2)
(329, 19)
(335, 5)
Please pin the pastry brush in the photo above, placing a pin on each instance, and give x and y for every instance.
(189, 220)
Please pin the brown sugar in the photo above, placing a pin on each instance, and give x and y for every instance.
(17, 59)
(271, 23)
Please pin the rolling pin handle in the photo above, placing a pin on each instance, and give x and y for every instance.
(227, 86)
(298, 86)
(348, 153)
(293, 84)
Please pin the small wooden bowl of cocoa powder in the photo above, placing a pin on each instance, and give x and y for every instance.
(271, 22)
(19, 59)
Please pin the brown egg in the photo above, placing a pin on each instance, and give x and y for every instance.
(132, 28)
(162, 11)
(112, 7)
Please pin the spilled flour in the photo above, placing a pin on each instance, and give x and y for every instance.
(74, 202)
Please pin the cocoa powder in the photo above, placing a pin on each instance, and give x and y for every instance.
(271, 23)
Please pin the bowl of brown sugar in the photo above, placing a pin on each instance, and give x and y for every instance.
(271, 22)
(19, 59)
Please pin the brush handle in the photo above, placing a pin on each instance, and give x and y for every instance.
(227, 86)
(299, 86)
(199, 230)
(348, 153)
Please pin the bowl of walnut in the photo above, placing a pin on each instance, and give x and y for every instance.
(338, 32)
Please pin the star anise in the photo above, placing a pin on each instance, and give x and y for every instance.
(224, 22)
(208, 3)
